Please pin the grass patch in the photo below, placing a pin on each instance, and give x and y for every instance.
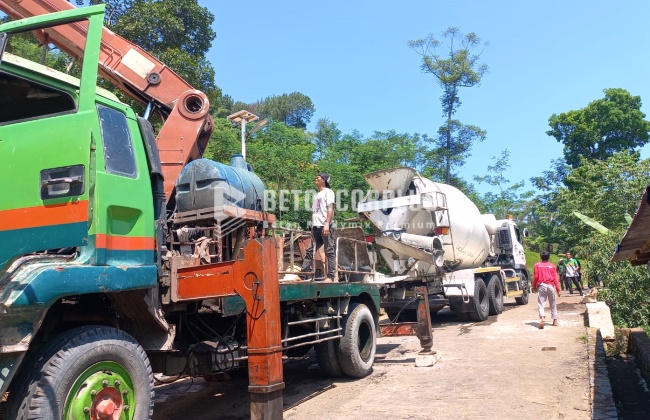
(619, 346)
(533, 257)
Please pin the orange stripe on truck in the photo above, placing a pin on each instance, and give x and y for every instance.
(124, 243)
(55, 214)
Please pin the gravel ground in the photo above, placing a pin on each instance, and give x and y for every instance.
(503, 368)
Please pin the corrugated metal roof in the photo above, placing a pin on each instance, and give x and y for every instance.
(635, 245)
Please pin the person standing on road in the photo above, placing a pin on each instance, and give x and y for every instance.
(322, 220)
(546, 284)
(560, 272)
(572, 273)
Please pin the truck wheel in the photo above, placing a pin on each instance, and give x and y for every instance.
(86, 372)
(495, 295)
(327, 357)
(356, 351)
(523, 281)
(481, 306)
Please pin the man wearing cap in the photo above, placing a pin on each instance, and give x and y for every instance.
(321, 226)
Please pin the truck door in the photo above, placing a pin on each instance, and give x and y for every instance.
(46, 125)
(123, 223)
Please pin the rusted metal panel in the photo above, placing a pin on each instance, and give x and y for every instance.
(400, 329)
(635, 245)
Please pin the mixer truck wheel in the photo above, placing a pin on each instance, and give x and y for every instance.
(86, 372)
(495, 295)
(480, 303)
(327, 357)
(523, 299)
(356, 352)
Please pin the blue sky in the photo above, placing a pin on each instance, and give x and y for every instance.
(351, 58)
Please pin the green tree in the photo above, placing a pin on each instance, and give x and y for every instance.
(612, 124)
(327, 134)
(627, 288)
(224, 142)
(458, 67)
(510, 199)
(178, 33)
(604, 190)
(282, 157)
(349, 157)
(294, 109)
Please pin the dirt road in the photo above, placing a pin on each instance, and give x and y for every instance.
(504, 368)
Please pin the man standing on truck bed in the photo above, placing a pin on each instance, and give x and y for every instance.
(321, 227)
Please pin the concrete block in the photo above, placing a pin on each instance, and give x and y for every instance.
(599, 316)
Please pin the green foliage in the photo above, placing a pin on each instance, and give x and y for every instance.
(591, 222)
(294, 109)
(627, 288)
(458, 67)
(510, 199)
(604, 127)
(224, 142)
(348, 157)
(533, 257)
(605, 191)
(452, 147)
(178, 33)
(282, 158)
(26, 45)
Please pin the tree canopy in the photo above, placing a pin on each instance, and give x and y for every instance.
(294, 109)
(457, 67)
(612, 124)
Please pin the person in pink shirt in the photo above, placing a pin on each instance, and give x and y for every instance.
(546, 284)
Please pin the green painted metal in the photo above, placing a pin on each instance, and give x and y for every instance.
(290, 292)
(54, 19)
(64, 140)
(102, 380)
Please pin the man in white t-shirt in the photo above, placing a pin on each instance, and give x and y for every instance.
(322, 219)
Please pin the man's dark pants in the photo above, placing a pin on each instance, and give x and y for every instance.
(575, 281)
(330, 253)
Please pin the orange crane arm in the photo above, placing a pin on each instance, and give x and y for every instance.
(188, 124)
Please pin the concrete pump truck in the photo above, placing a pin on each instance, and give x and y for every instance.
(124, 253)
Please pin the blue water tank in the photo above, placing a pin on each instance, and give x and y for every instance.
(205, 184)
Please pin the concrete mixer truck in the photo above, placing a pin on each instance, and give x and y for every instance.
(431, 233)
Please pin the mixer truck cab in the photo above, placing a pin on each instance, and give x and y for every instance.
(431, 233)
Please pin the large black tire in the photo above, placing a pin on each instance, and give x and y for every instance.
(523, 280)
(57, 382)
(356, 351)
(495, 295)
(480, 302)
(327, 357)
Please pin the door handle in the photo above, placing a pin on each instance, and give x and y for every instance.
(62, 182)
(67, 180)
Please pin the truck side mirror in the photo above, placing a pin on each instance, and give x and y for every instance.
(526, 233)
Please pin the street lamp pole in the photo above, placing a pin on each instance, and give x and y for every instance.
(242, 117)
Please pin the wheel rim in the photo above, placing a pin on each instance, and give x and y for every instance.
(365, 341)
(104, 391)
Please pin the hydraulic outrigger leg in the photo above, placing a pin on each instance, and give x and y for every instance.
(423, 327)
(255, 280)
